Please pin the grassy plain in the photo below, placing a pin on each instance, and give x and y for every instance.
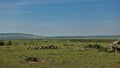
(67, 55)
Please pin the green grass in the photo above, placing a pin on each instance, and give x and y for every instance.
(65, 57)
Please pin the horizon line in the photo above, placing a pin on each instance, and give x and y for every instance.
(60, 35)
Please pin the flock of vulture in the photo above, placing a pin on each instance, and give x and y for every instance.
(43, 47)
(113, 46)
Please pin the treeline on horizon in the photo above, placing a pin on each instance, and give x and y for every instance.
(39, 41)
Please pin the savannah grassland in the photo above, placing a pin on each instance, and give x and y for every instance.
(68, 55)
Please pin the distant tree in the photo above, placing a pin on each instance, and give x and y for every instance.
(25, 43)
(9, 43)
(1, 43)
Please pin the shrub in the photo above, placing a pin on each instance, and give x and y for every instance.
(97, 46)
(9, 43)
(1, 43)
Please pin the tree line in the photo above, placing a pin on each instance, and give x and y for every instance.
(2, 43)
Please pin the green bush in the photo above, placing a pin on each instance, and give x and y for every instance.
(1, 43)
(96, 46)
(9, 43)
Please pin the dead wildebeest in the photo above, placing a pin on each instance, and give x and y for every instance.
(33, 59)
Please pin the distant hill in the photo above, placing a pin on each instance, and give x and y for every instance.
(18, 36)
(31, 36)
(85, 37)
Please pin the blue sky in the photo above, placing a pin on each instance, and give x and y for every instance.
(60, 17)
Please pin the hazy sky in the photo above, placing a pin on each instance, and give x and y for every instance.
(60, 17)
